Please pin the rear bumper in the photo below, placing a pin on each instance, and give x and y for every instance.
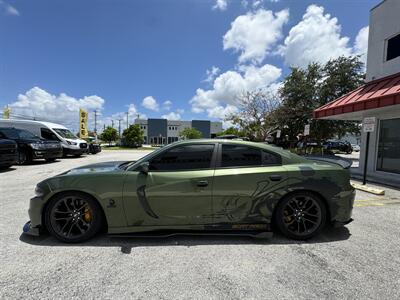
(337, 224)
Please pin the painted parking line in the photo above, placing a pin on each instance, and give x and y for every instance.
(369, 204)
(368, 200)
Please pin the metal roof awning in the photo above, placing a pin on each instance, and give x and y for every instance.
(378, 94)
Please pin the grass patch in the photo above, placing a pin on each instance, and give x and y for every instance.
(126, 148)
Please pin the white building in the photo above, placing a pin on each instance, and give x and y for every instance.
(378, 101)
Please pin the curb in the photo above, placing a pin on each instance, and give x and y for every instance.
(368, 189)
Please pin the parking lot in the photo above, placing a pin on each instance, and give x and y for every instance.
(360, 260)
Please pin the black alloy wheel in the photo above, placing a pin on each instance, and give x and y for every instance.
(301, 215)
(73, 217)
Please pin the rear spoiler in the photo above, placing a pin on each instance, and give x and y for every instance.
(338, 160)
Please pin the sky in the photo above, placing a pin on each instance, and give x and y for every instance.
(176, 59)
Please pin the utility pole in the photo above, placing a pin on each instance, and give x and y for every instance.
(127, 123)
(95, 122)
(119, 127)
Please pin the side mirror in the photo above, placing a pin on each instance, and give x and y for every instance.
(144, 167)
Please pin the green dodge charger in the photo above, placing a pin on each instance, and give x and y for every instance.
(197, 186)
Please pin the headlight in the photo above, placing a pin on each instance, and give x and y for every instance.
(71, 143)
(38, 146)
(38, 191)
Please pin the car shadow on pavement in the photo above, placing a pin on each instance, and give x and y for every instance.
(5, 170)
(127, 243)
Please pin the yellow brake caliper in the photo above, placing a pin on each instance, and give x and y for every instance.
(88, 214)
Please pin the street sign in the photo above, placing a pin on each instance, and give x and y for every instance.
(369, 124)
(307, 129)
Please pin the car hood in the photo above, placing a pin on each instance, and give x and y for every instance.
(97, 168)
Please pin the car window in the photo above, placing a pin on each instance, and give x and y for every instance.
(269, 158)
(13, 133)
(185, 157)
(48, 134)
(240, 156)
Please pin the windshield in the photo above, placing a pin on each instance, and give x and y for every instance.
(16, 134)
(65, 133)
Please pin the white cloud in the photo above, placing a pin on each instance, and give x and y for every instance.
(41, 105)
(253, 35)
(167, 105)
(9, 9)
(220, 4)
(173, 115)
(361, 43)
(211, 74)
(221, 99)
(316, 38)
(150, 103)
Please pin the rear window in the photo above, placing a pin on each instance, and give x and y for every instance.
(244, 156)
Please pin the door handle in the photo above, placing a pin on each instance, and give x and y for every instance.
(202, 183)
(275, 177)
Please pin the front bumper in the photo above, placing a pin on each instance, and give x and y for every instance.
(30, 230)
(337, 224)
(75, 151)
(47, 154)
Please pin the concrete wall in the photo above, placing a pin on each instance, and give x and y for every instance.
(384, 23)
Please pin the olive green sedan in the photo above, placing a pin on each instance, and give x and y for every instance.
(196, 186)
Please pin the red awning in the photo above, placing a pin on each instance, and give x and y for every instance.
(374, 94)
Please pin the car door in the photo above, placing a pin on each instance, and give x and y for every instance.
(177, 190)
(246, 181)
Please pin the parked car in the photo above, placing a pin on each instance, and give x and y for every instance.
(30, 146)
(198, 185)
(94, 146)
(338, 146)
(70, 143)
(355, 147)
(8, 153)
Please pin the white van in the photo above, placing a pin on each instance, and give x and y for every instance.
(71, 144)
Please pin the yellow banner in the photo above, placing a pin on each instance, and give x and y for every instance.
(6, 112)
(83, 118)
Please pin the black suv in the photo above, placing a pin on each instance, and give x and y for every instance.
(8, 153)
(30, 146)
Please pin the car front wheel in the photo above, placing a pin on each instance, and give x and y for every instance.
(73, 217)
(300, 215)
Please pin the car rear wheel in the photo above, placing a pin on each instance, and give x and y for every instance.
(24, 158)
(301, 215)
(73, 217)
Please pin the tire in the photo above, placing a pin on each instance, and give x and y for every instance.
(24, 158)
(50, 160)
(74, 222)
(300, 215)
(77, 155)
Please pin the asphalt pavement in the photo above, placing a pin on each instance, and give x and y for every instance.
(359, 261)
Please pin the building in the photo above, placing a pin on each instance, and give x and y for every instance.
(163, 131)
(377, 103)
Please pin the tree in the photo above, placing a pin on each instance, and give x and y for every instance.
(255, 109)
(231, 130)
(304, 90)
(133, 136)
(109, 135)
(190, 133)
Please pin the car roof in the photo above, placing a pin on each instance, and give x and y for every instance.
(48, 124)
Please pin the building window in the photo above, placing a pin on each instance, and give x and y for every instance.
(389, 146)
(393, 47)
